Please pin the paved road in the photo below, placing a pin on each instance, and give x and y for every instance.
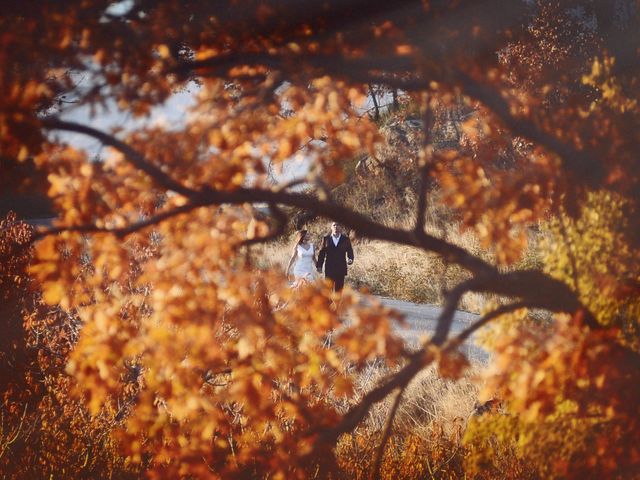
(421, 321)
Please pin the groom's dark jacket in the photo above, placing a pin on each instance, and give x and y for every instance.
(333, 257)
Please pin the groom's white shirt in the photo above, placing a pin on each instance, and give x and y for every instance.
(335, 239)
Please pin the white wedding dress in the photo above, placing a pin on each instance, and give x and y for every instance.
(304, 267)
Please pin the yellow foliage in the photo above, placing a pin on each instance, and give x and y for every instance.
(595, 254)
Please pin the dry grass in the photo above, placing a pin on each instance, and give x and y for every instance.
(427, 401)
(407, 273)
(426, 439)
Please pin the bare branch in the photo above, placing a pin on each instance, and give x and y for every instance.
(400, 380)
(293, 183)
(122, 231)
(467, 332)
(375, 471)
(418, 361)
(445, 318)
(535, 288)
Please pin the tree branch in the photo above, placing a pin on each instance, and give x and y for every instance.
(467, 332)
(540, 289)
(445, 319)
(122, 231)
(281, 224)
(534, 288)
(580, 162)
(375, 471)
(400, 380)
(134, 157)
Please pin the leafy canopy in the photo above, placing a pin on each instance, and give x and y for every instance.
(222, 370)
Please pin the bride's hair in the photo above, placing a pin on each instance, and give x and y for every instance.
(301, 235)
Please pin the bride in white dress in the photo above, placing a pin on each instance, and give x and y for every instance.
(303, 260)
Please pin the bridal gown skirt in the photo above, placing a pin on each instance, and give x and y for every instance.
(305, 271)
(304, 268)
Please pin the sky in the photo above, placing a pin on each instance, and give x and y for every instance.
(174, 111)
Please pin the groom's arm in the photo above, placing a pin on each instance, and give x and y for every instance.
(349, 252)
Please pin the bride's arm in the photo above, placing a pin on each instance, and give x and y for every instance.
(294, 255)
(322, 254)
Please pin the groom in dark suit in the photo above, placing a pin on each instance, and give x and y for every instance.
(336, 252)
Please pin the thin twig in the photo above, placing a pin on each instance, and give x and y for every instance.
(375, 471)
(467, 332)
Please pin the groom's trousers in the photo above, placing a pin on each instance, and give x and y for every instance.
(337, 282)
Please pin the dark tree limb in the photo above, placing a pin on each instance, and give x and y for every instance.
(122, 231)
(336, 64)
(543, 291)
(355, 415)
(532, 287)
(445, 319)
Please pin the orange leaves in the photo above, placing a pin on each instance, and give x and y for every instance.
(48, 267)
(222, 361)
(19, 129)
(266, 374)
(570, 387)
(326, 113)
(229, 366)
(608, 86)
(232, 134)
(498, 205)
(58, 423)
(452, 364)
(53, 293)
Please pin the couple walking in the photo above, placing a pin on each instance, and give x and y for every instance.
(334, 256)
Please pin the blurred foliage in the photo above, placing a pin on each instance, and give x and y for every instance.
(44, 430)
(595, 253)
(573, 411)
